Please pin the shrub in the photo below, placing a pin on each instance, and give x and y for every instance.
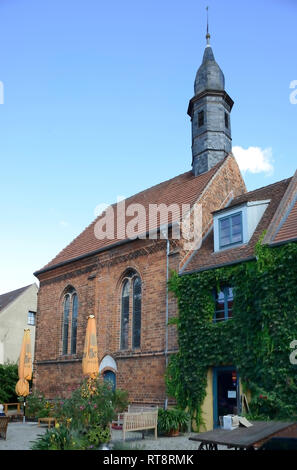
(171, 420)
(90, 405)
(8, 380)
(83, 419)
(59, 438)
(36, 405)
(120, 400)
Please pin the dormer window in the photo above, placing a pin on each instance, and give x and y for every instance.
(230, 229)
(235, 226)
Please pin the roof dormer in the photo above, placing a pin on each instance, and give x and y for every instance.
(236, 225)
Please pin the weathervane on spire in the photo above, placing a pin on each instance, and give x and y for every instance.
(207, 32)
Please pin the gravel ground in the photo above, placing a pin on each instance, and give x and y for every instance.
(20, 435)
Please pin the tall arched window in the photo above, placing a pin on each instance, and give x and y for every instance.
(136, 312)
(74, 323)
(131, 305)
(125, 314)
(66, 322)
(70, 312)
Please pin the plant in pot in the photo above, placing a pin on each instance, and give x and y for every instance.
(172, 421)
(120, 404)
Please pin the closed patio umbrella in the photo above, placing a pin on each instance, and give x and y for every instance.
(24, 369)
(90, 365)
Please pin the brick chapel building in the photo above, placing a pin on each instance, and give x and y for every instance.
(123, 281)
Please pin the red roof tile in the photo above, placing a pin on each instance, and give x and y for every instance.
(288, 230)
(183, 189)
(283, 227)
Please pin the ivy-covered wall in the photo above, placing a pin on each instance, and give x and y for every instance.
(256, 340)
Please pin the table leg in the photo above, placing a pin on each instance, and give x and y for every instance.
(208, 446)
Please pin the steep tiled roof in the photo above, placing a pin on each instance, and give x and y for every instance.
(283, 227)
(288, 230)
(183, 189)
(206, 258)
(8, 297)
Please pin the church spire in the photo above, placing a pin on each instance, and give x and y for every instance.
(207, 32)
(209, 110)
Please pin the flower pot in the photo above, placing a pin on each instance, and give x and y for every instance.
(173, 433)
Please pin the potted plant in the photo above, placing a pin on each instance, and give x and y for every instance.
(172, 421)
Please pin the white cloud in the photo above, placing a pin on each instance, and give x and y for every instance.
(63, 223)
(254, 159)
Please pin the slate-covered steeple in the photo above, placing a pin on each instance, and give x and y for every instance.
(209, 110)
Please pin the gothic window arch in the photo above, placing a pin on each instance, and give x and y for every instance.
(131, 299)
(70, 314)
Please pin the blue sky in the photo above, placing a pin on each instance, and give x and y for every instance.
(95, 106)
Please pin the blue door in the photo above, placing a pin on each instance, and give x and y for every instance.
(110, 376)
(226, 398)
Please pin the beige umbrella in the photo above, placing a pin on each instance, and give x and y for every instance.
(25, 368)
(90, 365)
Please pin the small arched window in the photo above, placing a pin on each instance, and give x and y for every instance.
(70, 313)
(131, 305)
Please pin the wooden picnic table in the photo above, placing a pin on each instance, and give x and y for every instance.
(245, 438)
(48, 420)
(16, 412)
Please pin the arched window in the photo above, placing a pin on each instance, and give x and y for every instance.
(66, 322)
(125, 314)
(74, 323)
(136, 312)
(131, 305)
(70, 313)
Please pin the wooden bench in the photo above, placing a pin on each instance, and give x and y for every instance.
(15, 413)
(140, 421)
(4, 420)
(48, 420)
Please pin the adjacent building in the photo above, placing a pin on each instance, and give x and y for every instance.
(17, 312)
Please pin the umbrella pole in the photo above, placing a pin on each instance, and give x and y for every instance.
(24, 417)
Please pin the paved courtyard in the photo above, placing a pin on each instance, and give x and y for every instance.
(20, 436)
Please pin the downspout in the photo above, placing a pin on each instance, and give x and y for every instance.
(166, 326)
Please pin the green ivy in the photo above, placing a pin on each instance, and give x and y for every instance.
(256, 340)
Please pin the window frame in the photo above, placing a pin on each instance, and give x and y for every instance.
(136, 344)
(124, 334)
(69, 324)
(31, 316)
(226, 310)
(229, 217)
(131, 342)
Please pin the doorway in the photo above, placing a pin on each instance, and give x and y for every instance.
(109, 376)
(225, 393)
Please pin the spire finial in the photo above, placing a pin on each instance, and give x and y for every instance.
(207, 32)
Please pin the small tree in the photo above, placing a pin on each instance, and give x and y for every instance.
(8, 380)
